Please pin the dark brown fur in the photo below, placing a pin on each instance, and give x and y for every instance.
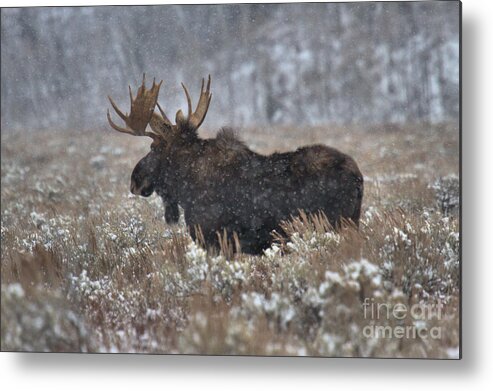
(223, 185)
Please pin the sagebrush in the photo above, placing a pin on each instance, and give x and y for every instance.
(86, 266)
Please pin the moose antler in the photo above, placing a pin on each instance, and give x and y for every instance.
(141, 110)
(195, 119)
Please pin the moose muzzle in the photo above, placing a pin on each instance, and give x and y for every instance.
(144, 190)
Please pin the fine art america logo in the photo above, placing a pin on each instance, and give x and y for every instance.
(398, 320)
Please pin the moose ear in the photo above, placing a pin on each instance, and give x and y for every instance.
(155, 144)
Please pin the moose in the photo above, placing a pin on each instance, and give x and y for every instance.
(224, 187)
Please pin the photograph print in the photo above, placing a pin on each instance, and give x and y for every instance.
(233, 179)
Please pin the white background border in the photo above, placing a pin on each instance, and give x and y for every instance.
(475, 371)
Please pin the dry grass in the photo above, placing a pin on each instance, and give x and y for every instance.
(86, 266)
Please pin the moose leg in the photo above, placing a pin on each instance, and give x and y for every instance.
(171, 213)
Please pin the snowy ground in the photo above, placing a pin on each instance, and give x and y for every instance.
(86, 266)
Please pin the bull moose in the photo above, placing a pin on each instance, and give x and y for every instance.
(224, 187)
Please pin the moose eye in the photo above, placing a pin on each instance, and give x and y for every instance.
(156, 146)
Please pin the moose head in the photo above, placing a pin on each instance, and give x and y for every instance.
(151, 172)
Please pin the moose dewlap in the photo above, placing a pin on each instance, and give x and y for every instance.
(225, 188)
